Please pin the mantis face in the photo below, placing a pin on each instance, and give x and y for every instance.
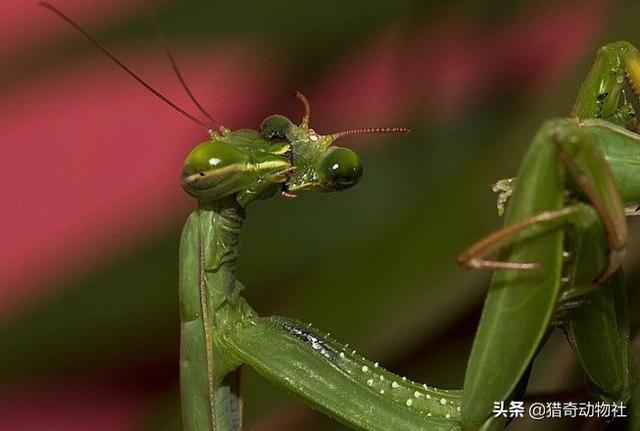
(280, 155)
(316, 164)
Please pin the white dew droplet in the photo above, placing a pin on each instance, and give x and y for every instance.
(365, 368)
(447, 416)
(381, 391)
(342, 355)
(376, 364)
(409, 402)
(381, 377)
(424, 385)
(395, 385)
(370, 382)
(404, 379)
(428, 396)
(429, 414)
(458, 408)
(443, 401)
(417, 394)
(353, 352)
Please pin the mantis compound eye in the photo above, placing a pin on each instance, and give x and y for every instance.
(276, 128)
(212, 169)
(340, 169)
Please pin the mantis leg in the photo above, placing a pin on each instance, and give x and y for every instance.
(474, 256)
(335, 380)
(220, 332)
(598, 332)
(591, 176)
(209, 389)
(602, 94)
(525, 302)
(597, 326)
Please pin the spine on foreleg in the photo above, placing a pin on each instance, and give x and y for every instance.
(336, 380)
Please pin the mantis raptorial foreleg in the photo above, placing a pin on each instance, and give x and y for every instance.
(336, 380)
(324, 373)
(603, 92)
(594, 314)
(577, 155)
(572, 160)
(208, 250)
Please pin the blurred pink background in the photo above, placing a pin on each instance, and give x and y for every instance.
(74, 187)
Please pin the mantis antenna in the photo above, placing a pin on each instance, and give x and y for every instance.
(307, 109)
(307, 114)
(370, 131)
(121, 64)
(174, 64)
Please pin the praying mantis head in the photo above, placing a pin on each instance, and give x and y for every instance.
(255, 164)
(280, 155)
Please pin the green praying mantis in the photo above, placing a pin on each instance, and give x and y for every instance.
(560, 250)
(559, 265)
(220, 331)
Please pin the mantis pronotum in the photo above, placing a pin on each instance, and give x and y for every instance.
(565, 232)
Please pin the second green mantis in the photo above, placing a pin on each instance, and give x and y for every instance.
(561, 248)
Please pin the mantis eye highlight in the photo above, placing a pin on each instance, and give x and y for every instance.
(340, 169)
(276, 128)
(211, 168)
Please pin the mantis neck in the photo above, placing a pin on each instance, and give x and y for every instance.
(219, 225)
